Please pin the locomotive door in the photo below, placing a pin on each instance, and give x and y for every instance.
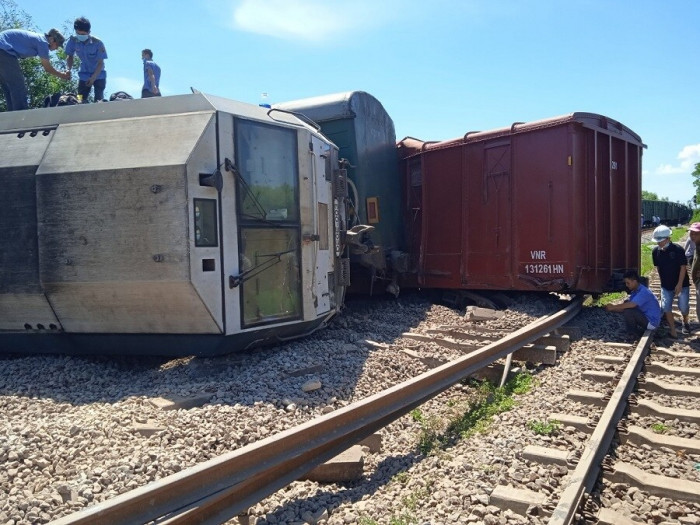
(488, 227)
(269, 223)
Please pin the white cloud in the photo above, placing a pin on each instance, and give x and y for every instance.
(687, 158)
(310, 20)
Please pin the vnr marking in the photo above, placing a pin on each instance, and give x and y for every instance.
(538, 254)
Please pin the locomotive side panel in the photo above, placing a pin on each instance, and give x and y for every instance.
(113, 250)
(203, 232)
(22, 301)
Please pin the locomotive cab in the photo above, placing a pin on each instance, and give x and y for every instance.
(176, 226)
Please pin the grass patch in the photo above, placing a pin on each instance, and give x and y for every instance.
(410, 503)
(544, 428)
(646, 264)
(436, 433)
(659, 428)
(401, 477)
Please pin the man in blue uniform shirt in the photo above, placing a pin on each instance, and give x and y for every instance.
(92, 53)
(151, 75)
(16, 44)
(641, 309)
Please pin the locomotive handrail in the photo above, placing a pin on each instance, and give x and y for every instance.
(300, 116)
(223, 487)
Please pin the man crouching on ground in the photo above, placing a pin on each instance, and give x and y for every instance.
(641, 309)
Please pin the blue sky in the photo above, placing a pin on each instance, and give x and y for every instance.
(440, 67)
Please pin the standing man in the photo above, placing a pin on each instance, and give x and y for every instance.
(151, 75)
(641, 309)
(92, 53)
(694, 235)
(16, 44)
(671, 264)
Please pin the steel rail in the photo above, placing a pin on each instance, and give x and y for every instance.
(223, 487)
(588, 468)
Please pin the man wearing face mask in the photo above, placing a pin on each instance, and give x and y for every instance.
(671, 264)
(91, 52)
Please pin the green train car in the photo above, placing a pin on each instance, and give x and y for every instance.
(670, 213)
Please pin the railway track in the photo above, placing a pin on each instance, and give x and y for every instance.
(641, 460)
(511, 473)
(615, 390)
(226, 486)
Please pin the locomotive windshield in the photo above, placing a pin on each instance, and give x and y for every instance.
(268, 214)
(267, 162)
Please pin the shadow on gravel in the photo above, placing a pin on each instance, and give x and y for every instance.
(330, 498)
(334, 356)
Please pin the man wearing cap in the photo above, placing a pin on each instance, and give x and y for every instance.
(92, 53)
(671, 265)
(694, 235)
(16, 44)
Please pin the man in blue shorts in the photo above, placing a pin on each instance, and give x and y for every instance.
(641, 309)
(16, 44)
(672, 265)
(92, 53)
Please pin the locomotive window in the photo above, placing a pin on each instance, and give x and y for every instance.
(266, 157)
(323, 226)
(272, 290)
(205, 228)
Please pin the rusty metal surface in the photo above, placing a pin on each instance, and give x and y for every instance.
(549, 205)
(221, 488)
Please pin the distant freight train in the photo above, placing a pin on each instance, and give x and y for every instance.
(669, 213)
(199, 225)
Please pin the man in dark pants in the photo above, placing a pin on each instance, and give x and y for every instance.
(16, 44)
(641, 309)
(671, 264)
(151, 75)
(92, 53)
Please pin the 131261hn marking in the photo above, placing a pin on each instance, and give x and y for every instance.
(549, 268)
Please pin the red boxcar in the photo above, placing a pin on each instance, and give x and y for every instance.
(546, 205)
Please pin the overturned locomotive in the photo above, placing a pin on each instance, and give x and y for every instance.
(179, 225)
